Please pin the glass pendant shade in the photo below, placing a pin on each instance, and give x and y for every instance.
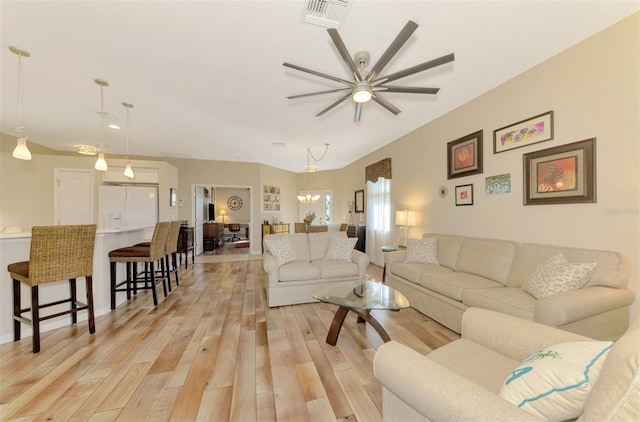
(21, 151)
(129, 171)
(101, 163)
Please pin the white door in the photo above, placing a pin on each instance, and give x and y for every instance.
(199, 219)
(73, 196)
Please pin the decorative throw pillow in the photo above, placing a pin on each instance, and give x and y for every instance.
(340, 248)
(557, 274)
(423, 251)
(554, 383)
(281, 249)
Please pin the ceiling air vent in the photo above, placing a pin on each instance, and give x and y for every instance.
(327, 13)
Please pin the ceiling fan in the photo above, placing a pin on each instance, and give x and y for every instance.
(368, 87)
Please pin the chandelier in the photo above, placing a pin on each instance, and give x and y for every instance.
(308, 198)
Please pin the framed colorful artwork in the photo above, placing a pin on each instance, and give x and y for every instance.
(464, 156)
(565, 174)
(526, 132)
(464, 195)
(270, 198)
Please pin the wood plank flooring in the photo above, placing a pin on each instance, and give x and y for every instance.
(210, 351)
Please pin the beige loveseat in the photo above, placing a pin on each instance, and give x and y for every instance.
(312, 266)
(462, 380)
(489, 273)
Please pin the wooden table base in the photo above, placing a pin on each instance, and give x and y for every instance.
(363, 316)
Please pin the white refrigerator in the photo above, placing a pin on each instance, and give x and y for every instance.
(123, 207)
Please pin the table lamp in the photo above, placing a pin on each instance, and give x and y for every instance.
(222, 214)
(405, 219)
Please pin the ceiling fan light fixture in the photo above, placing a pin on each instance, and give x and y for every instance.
(362, 93)
(21, 152)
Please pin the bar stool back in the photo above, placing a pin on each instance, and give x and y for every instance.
(134, 254)
(171, 252)
(56, 253)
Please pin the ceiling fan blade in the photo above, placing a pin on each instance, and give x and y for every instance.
(322, 75)
(317, 93)
(356, 118)
(344, 53)
(334, 104)
(407, 89)
(415, 69)
(386, 104)
(391, 51)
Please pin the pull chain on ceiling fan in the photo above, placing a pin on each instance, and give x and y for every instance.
(368, 87)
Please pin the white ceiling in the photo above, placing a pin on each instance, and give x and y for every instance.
(207, 81)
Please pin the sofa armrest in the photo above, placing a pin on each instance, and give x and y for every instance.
(510, 336)
(362, 260)
(393, 257)
(270, 266)
(574, 305)
(435, 391)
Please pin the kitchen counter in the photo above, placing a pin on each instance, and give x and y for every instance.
(14, 247)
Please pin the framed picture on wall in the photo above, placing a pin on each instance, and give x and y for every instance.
(464, 195)
(173, 197)
(359, 201)
(565, 174)
(464, 156)
(526, 132)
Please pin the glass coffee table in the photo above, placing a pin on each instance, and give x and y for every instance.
(361, 298)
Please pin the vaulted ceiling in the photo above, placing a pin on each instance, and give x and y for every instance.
(207, 82)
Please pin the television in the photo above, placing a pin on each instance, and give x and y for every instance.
(212, 212)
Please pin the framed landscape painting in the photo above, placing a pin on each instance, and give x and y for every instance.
(561, 175)
(464, 156)
(526, 132)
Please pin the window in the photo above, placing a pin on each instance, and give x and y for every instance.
(378, 218)
(322, 208)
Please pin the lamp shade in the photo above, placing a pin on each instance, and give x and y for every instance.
(405, 218)
(129, 171)
(21, 151)
(101, 164)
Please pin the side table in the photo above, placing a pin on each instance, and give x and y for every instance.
(384, 268)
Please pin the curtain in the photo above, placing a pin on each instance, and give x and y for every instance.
(377, 170)
(378, 218)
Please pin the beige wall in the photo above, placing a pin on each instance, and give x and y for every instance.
(594, 90)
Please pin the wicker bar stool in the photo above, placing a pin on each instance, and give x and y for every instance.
(56, 253)
(171, 253)
(132, 255)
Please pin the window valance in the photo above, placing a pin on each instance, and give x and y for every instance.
(377, 170)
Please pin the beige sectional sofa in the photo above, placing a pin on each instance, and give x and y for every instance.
(311, 267)
(463, 380)
(489, 273)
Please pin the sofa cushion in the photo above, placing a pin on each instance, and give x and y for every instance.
(475, 362)
(298, 271)
(556, 275)
(300, 244)
(448, 249)
(612, 270)
(554, 383)
(489, 258)
(507, 300)
(319, 243)
(423, 251)
(340, 248)
(281, 249)
(452, 284)
(412, 272)
(336, 269)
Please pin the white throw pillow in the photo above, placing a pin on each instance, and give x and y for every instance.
(423, 251)
(554, 383)
(557, 274)
(340, 248)
(281, 249)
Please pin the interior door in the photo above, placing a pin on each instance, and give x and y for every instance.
(200, 218)
(73, 196)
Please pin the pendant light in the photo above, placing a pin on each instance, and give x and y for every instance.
(308, 198)
(101, 163)
(128, 171)
(21, 151)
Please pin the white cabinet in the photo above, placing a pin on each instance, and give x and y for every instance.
(123, 207)
(142, 175)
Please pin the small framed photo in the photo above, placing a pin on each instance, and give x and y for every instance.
(526, 132)
(359, 201)
(565, 174)
(173, 197)
(464, 156)
(464, 195)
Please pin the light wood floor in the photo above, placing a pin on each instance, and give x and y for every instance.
(210, 351)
